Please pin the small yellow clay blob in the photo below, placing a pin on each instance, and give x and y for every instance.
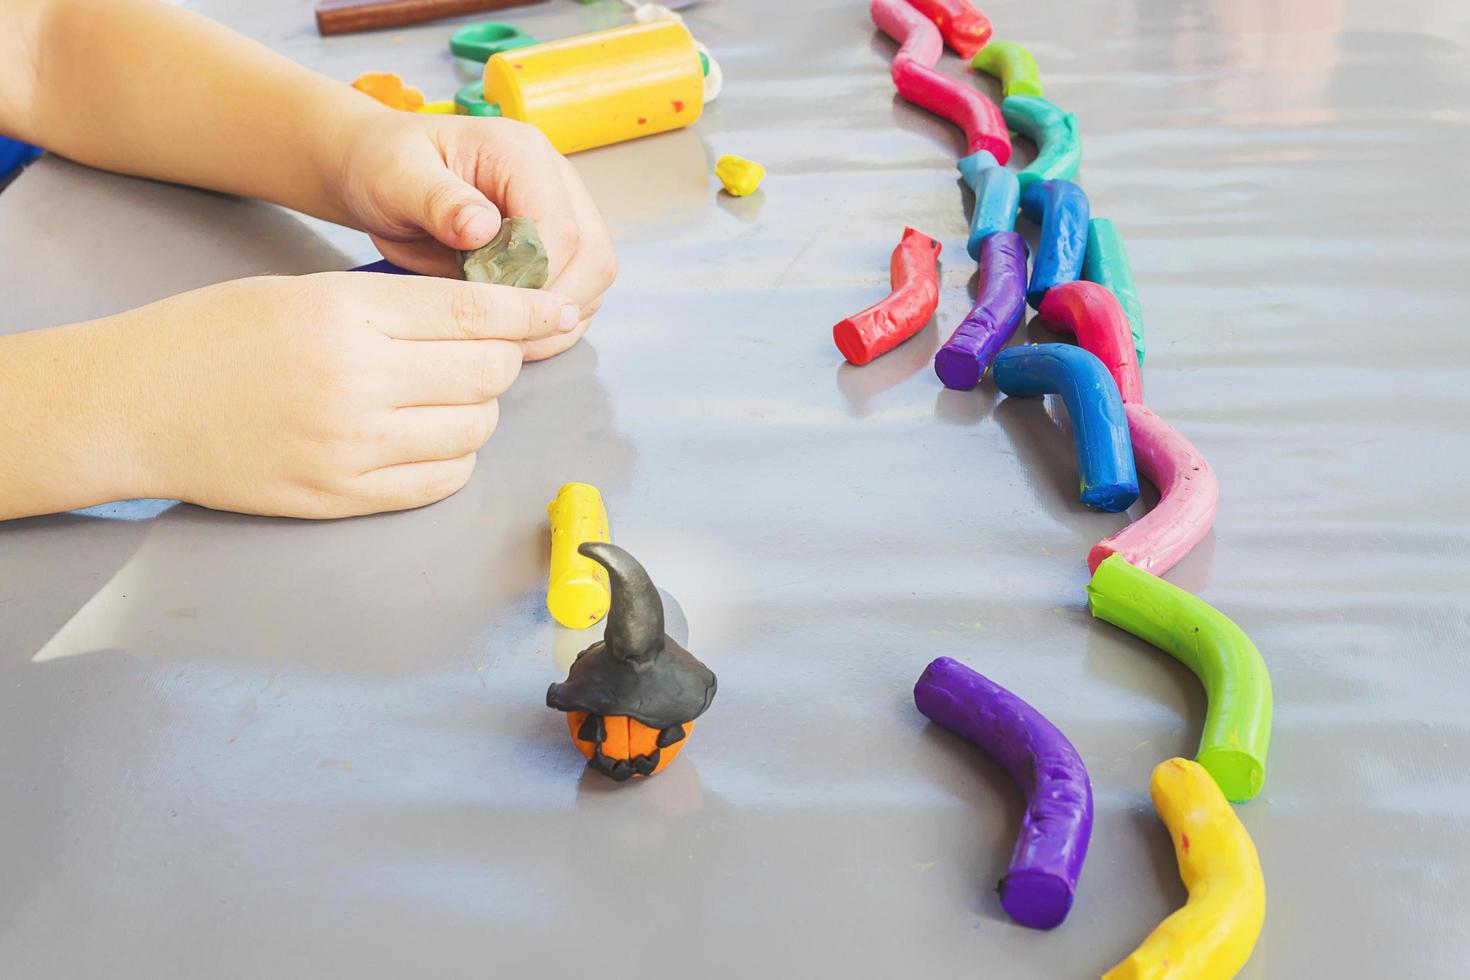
(1212, 936)
(446, 108)
(577, 593)
(739, 175)
(389, 89)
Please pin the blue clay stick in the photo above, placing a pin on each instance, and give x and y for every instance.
(997, 196)
(1099, 425)
(1060, 208)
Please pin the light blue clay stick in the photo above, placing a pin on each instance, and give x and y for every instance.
(997, 196)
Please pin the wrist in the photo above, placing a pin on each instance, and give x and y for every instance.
(330, 129)
(66, 420)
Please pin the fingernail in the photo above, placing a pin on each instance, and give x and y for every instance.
(570, 317)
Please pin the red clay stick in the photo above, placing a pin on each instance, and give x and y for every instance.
(913, 275)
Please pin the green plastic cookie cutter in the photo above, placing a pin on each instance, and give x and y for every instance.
(471, 98)
(483, 41)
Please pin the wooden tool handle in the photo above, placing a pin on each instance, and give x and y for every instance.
(353, 16)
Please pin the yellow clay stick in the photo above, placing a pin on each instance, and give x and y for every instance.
(1213, 935)
(577, 594)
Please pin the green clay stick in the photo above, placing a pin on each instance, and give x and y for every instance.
(1058, 146)
(1012, 64)
(1106, 263)
(1237, 730)
(514, 257)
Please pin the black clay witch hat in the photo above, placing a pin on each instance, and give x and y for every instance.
(636, 669)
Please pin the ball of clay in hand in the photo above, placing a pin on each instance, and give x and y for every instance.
(514, 257)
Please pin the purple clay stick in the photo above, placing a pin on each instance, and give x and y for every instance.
(965, 358)
(383, 265)
(1038, 888)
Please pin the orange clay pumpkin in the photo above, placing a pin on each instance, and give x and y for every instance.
(631, 699)
(644, 750)
(389, 89)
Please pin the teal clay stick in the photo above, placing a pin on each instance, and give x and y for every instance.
(1106, 263)
(1012, 64)
(1237, 731)
(1058, 147)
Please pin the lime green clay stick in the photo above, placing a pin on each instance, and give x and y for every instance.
(1012, 64)
(1106, 263)
(1237, 732)
(1058, 147)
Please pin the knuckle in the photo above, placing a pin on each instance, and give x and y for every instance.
(497, 372)
(469, 310)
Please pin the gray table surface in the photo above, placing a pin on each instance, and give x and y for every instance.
(236, 747)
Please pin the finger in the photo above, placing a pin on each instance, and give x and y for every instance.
(458, 214)
(540, 350)
(531, 183)
(595, 265)
(409, 485)
(454, 372)
(425, 256)
(429, 308)
(432, 432)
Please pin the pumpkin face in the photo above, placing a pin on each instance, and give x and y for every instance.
(619, 747)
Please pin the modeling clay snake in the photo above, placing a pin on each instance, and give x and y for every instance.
(1041, 882)
(1105, 467)
(1212, 936)
(1093, 315)
(1012, 64)
(977, 116)
(1106, 263)
(1189, 495)
(1058, 146)
(917, 37)
(964, 358)
(997, 196)
(913, 276)
(1060, 208)
(1237, 731)
(965, 29)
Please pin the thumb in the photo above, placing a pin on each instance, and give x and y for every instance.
(457, 214)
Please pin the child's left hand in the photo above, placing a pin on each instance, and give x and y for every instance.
(424, 186)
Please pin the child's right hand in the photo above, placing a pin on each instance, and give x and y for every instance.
(319, 396)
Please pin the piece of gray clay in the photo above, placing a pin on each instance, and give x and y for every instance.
(514, 257)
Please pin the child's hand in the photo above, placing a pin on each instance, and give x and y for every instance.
(426, 185)
(320, 396)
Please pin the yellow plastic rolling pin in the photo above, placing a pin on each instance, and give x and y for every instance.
(601, 88)
(577, 595)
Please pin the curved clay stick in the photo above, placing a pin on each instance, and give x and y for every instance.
(1093, 315)
(1106, 263)
(1038, 888)
(962, 361)
(913, 275)
(1058, 146)
(1060, 208)
(1099, 428)
(997, 197)
(1213, 934)
(1189, 495)
(965, 29)
(1237, 732)
(917, 37)
(980, 118)
(1012, 64)
(577, 593)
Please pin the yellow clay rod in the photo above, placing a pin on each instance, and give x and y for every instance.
(1212, 936)
(577, 593)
